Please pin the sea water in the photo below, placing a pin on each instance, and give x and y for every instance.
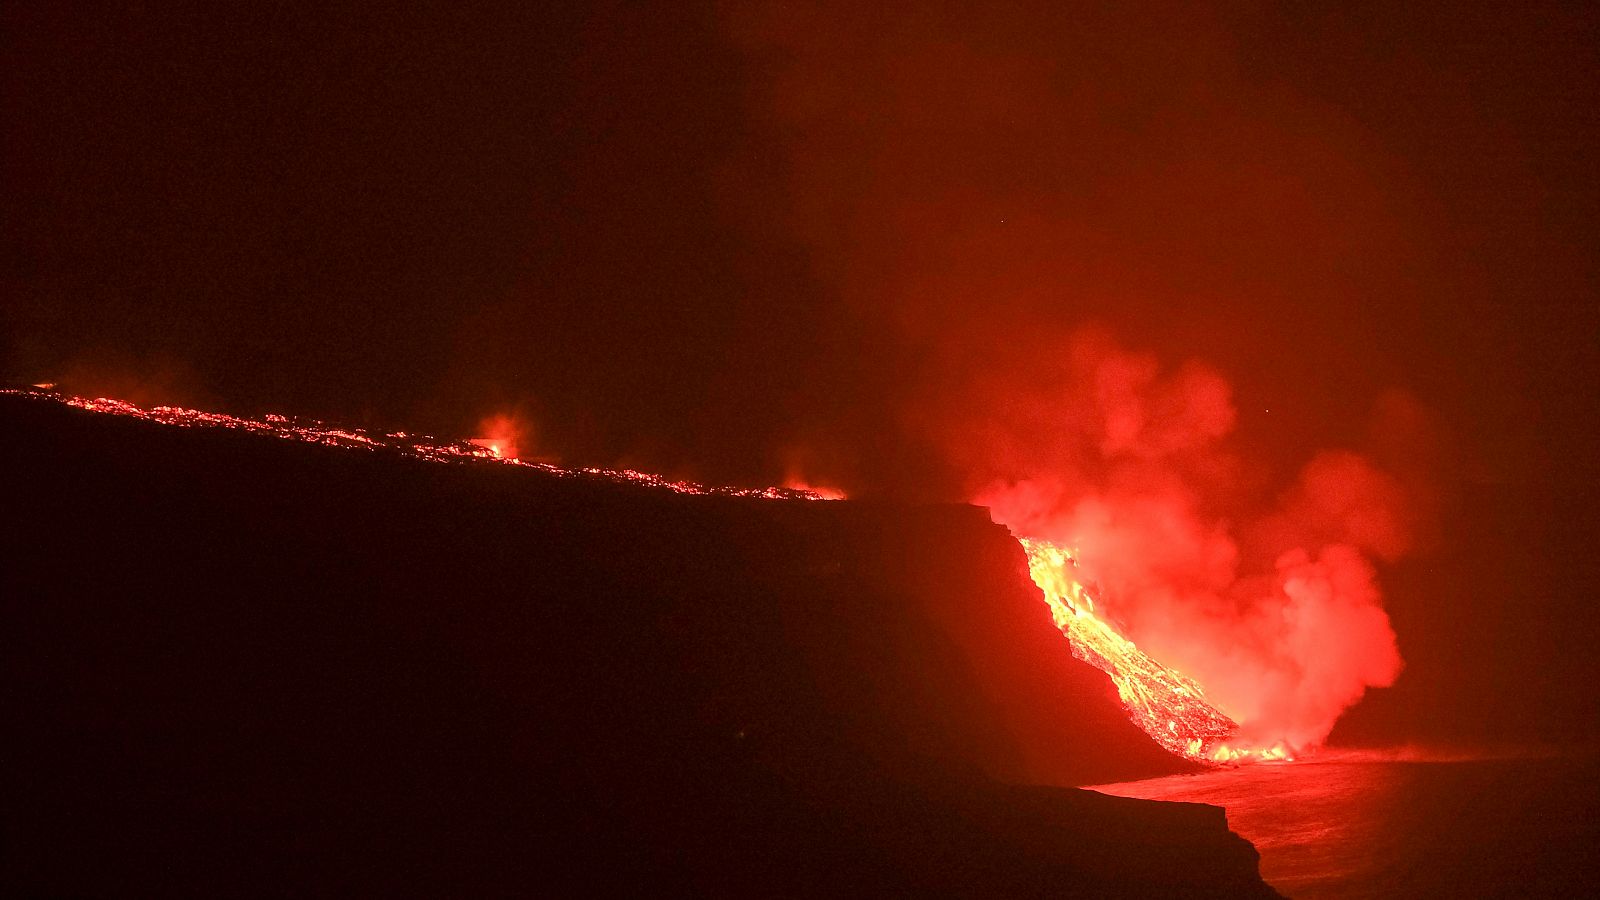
(1374, 825)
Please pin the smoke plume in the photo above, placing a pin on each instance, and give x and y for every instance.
(993, 198)
(1273, 605)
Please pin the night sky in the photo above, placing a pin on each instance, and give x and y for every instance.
(729, 241)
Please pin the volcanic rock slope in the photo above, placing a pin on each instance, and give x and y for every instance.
(236, 665)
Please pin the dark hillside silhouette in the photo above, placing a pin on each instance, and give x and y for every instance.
(240, 665)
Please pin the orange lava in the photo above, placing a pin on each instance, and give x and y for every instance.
(823, 491)
(1169, 706)
(420, 446)
(501, 436)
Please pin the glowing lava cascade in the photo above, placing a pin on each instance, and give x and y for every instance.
(1168, 705)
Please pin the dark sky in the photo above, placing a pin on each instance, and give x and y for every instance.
(722, 241)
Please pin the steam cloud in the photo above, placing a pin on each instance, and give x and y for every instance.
(990, 195)
(1277, 613)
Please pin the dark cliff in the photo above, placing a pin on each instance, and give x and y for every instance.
(240, 665)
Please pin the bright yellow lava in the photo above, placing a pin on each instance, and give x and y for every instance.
(1168, 705)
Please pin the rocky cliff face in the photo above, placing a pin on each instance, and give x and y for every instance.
(239, 665)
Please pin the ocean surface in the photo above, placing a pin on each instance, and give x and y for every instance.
(1371, 825)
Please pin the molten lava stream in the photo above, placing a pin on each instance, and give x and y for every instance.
(1169, 706)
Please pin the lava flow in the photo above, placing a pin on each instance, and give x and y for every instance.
(493, 449)
(1169, 706)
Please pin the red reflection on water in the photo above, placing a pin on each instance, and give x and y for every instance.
(1356, 826)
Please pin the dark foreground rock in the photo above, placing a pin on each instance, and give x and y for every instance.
(234, 665)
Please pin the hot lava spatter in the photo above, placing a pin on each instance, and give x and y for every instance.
(1168, 705)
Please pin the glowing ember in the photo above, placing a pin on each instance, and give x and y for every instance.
(823, 491)
(502, 435)
(493, 449)
(1168, 705)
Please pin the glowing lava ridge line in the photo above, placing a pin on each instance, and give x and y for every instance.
(1169, 706)
(421, 446)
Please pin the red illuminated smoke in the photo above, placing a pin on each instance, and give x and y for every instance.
(1273, 607)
